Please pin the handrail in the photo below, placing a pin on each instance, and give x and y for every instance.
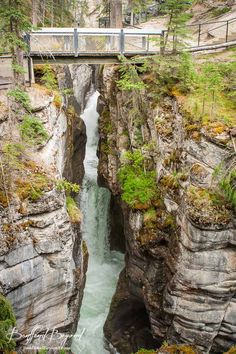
(95, 31)
(210, 23)
(226, 21)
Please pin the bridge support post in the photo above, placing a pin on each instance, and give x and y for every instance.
(76, 42)
(30, 70)
(122, 41)
(199, 35)
(144, 43)
(27, 41)
(227, 31)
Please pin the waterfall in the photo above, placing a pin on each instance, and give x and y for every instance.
(104, 266)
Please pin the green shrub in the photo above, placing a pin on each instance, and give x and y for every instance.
(146, 351)
(66, 186)
(67, 92)
(32, 130)
(20, 97)
(138, 186)
(7, 321)
(49, 78)
(18, 69)
(32, 187)
(73, 210)
(220, 11)
(12, 154)
(129, 78)
(43, 351)
(208, 207)
(228, 187)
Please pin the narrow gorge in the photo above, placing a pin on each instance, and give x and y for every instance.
(118, 181)
(104, 266)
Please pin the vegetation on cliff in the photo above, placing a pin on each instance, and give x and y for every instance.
(171, 349)
(7, 322)
(205, 92)
(138, 184)
(178, 349)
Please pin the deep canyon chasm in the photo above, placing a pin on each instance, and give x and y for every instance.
(178, 283)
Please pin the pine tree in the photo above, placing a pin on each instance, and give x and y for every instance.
(176, 11)
(138, 6)
(14, 23)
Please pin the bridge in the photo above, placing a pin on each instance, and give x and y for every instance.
(104, 45)
(58, 43)
(96, 42)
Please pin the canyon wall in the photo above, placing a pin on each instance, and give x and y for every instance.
(179, 281)
(42, 261)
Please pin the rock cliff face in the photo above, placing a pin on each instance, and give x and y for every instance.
(179, 280)
(42, 265)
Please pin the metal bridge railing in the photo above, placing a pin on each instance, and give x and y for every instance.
(204, 33)
(81, 41)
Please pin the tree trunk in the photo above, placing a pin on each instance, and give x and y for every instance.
(34, 12)
(116, 17)
(168, 32)
(52, 13)
(17, 51)
(43, 7)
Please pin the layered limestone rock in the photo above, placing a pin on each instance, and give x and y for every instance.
(179, 281)
(42, 265)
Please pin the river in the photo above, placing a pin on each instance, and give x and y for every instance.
(104, 266)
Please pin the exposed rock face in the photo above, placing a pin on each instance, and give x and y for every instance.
(78, 77)
(180, 273)
(42, 265)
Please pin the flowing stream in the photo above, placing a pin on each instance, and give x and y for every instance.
(104, 265)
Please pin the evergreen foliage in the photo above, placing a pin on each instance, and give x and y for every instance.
(49, 78)
(138, 186)
(7, 321)
(14, 22)
(32, 130)
(178, 17)
(129, 78)
(227, 182)
(66, 186)
(138, 6)
(20, 97)
(228, 187)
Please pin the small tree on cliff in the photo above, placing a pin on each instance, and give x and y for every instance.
(7, 321)
(176, 11)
